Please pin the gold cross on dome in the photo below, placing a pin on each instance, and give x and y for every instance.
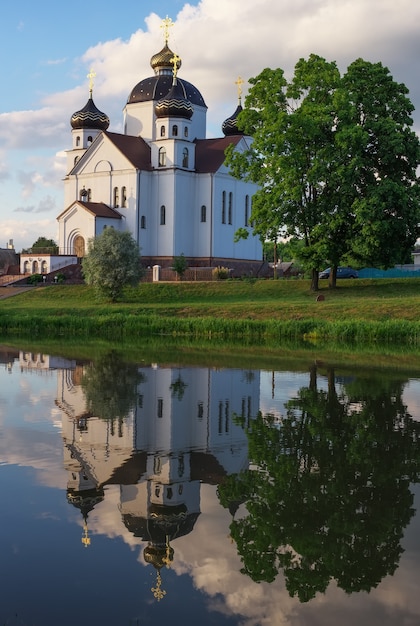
(174, 62)
(167, 23)
(91, 76)
(239, 82)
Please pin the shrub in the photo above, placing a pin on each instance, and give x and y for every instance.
(34, 279)
(220, 273)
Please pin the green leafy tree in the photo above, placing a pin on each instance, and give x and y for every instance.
(180, 265)
(43, 245)
(335, 159)
(292, 126)
(376, 180)
(112, 262)
(329, 495)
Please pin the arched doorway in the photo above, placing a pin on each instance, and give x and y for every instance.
(79, 246)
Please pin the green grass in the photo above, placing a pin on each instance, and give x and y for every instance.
(265, 311)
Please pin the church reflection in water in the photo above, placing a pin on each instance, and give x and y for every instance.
(159, 433)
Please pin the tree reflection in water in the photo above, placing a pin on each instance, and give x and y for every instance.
(330, 493)
(110, 385)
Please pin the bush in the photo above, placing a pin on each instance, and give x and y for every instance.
(34, 279)
(220, 273)
(180, 265)
(112, 263)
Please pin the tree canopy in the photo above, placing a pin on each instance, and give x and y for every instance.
(335, 159)
(43, 245)
(112, 262)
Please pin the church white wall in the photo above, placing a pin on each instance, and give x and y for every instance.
(75, 222)
(224, 233)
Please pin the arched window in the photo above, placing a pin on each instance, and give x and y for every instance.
(162, 157)
(143, 221)
(116, 197)
(77, 142)
(185, 157)
(224, 207)
(175, 130)
(89, 195)
(162, 131)
(246, 220)
(89, 140)
(230, 207)
(186, 131)
(123, 196)
(203, 213)
(162, 215)
(75, 160)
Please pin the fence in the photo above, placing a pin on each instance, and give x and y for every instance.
(191, 274)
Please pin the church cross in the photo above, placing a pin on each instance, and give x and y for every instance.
(167, 23)
(91, 76)
(239, 84)
(174, 62)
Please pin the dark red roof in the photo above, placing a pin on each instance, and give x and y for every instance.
(135, 149)
(99, 209)
(210, 153)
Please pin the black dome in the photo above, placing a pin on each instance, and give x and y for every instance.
(230, 125)
(174, 104)
(157, 87)
(89, 117)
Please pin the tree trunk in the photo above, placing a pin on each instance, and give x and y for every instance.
(332, 278)
(314, 280)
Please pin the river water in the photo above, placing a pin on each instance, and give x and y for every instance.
(150, 493)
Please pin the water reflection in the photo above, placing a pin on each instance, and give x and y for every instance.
(158, 432)
(302, 481)
(329, 494)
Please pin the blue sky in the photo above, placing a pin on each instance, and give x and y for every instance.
(47, 49)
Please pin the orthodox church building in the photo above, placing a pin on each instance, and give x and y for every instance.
(161, 179)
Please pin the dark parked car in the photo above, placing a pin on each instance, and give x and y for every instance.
(342, 272)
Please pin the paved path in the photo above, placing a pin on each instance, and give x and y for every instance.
(6, 292)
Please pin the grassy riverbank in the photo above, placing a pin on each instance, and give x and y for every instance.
(264, 311)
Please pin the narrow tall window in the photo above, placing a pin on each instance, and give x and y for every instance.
(162, 131)
(175, 130)
(89, 140)
(89, 195)
(246, 220)
(230, 208)
(186, 131)
(143, 221)
(123, 196)
(77, 142)
(162, 157)
(116, 197)
(160, 407)
(162, 215)
(185, 157)
(224, 207)
(203, 213)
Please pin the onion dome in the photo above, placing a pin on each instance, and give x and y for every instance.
(89, 117)
(158, 86)
(174, 104)
(230, 125)
(162, 61)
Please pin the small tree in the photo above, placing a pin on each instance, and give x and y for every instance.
(43, 246)
(180, 265)
(112, 262)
